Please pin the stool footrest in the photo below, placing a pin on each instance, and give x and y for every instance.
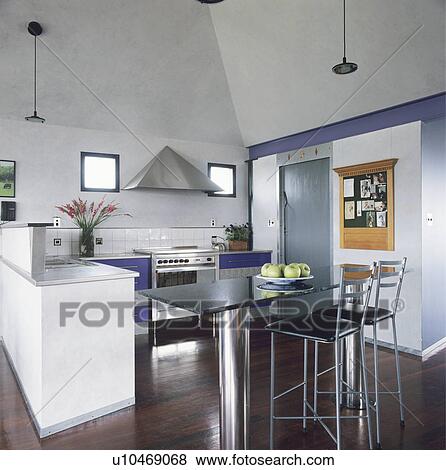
(328, 370)
(288, 391)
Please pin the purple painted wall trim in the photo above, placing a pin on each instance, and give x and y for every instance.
(423, 109)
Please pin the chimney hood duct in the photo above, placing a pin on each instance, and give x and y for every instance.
(169, 170)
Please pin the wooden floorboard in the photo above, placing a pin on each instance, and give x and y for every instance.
(177, 402)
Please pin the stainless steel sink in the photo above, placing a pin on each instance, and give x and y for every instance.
(59, 262)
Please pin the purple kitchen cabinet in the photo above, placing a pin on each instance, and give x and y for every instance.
(244, 260)
(139, 265)
(142, 313)
(143, 267)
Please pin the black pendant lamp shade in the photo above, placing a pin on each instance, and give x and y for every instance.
(35, 29)
(345, 67)
(210, 1)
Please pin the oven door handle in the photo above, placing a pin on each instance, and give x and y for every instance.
(188, 269)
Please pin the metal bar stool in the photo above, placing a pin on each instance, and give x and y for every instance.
(320, 328)
(385, 272)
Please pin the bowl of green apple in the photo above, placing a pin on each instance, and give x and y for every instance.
(285, 273)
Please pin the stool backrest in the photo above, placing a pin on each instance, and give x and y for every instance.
(390, 274)
(356, 284)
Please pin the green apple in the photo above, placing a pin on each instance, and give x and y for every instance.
(282, 267)
(264, 269)
(274, 271)
(292, 271)
(304, 269)
(269, 294)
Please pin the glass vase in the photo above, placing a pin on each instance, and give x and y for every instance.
(86, 243)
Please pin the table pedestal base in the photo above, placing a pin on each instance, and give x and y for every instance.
(233, 345)
(351, 374)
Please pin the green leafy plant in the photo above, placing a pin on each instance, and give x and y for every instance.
(238, 232)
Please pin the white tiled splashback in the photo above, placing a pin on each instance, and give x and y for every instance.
(121, 240)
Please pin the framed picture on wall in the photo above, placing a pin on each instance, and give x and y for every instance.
(7, 178)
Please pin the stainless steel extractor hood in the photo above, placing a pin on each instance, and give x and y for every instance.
(169, 170)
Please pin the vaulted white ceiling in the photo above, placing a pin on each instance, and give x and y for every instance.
(238, 72)
(278, 57)
(154, 63)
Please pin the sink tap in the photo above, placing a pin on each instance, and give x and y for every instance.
(216, 245)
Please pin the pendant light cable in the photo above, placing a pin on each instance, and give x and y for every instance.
(345, 48)
(35, 29)
(35, 74)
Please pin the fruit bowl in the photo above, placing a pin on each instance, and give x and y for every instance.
(285, 273)
(285, 288)
(284, 280)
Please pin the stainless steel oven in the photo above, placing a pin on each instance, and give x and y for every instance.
(183, 268)
(180, 266)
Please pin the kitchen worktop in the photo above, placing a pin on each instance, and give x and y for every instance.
(149, 255)
(82, 273)
(245, 251)
(87, 270)
(25, 225)
(119, 256)
(72, 274)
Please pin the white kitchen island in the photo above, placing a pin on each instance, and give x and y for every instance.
(68, 332)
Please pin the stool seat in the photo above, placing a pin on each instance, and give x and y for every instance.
(354, 313)
(315, 328)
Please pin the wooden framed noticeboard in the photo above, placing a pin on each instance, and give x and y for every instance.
(366, 201)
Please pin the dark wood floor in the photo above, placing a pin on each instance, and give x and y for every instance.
(177, 402)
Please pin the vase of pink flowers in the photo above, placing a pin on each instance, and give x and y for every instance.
(87, 216)
(86, 243)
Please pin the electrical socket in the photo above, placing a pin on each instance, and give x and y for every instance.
(56, 222)
(271, 223)
(430, 219)
(57, 241)
(213, 223)
(99, 241)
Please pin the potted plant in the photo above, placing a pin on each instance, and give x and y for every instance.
(87, 216)
(238, 236)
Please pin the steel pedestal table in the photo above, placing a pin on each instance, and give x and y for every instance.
(351, 367)
(233, 358)
(351, 373)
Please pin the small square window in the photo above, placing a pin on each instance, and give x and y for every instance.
(99, 172)
(225, 177)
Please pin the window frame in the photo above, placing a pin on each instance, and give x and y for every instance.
(234, 179)
(114, 156)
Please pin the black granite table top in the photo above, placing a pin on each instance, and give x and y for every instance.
(229, 294)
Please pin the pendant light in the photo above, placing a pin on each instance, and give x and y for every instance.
(345, 67)
(35, 29)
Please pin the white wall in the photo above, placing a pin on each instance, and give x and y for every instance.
(22, 333)
(404, 143)
(69, 374)
(119, 240)
(105, 355)
(434, 245)
(48, 173)
(264, 204)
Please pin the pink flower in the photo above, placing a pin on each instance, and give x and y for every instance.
(88, 215)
